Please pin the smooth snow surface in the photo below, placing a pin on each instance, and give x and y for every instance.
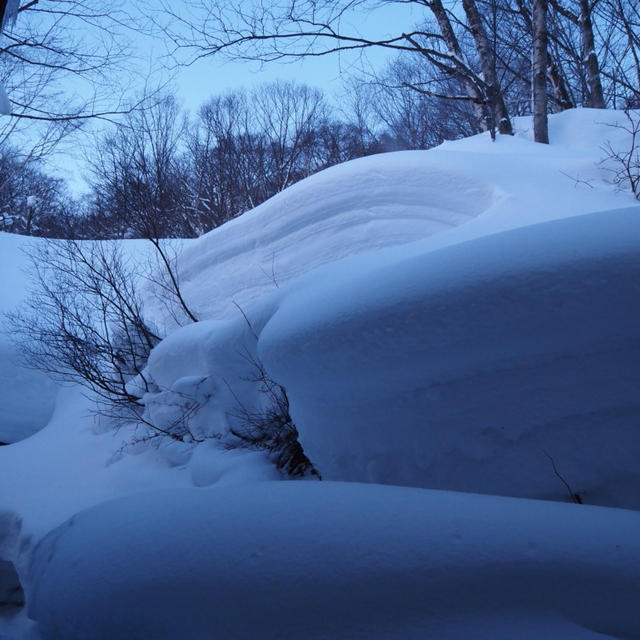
(460, 190)
(364, 204)
(464, 318)
(459, 368)
(327, 560)
(27, 397)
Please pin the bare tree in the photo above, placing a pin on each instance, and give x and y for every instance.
(282, 30)
(138, 183)
(31, 201)
(84, 322)
(624, 164)
(486, 54)
(219, 162)
(249, 145)
(414, 119)
(539, 71)
(66, 62)
(271, 429)
(287, 115)
(579, 13)
(618, 23)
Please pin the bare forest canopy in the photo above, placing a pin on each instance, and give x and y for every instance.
(462, 68)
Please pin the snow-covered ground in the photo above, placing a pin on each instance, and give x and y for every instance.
(331, 560)
(466, 367)
(27, 397)
(461, 319)
(461, 190)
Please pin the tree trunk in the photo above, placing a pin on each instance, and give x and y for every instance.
(487, 61)
(452, 44)
(558, 86)
(554, 74)
(589, 57)
(539, 68)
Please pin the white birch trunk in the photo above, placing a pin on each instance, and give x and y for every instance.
(487, 62)
(453, 46)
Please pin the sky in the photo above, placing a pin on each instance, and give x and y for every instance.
(213, 75)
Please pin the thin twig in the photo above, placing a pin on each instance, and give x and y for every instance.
(574, 496)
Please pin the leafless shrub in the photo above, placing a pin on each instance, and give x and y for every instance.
(84, 322)
(574, 496)
(624, 164)
(272, 428)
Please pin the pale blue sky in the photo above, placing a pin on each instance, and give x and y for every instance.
(214, 75)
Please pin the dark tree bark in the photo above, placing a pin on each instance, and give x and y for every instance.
(556, 79)
(452, 44)
(3, 6)
(486, 54)
(590, 59)
(558, 85)
(538, 70)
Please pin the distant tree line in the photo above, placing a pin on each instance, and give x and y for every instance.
(159, 174)
(31, 201)
(466, 67)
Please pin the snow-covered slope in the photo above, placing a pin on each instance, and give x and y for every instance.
(466, 188)
(476, 359)
(335, 561)
(27, 397)
(465, 368)
(463, 318)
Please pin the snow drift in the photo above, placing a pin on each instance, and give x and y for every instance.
(462, 368)
(459, 319)
(326, 560)
(27, 397)
(458, 191)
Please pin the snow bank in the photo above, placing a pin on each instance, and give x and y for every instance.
(27, 397)
(364, 204)
(71, 465)
(326, 560)
(459, 368)
(473, 359)
(458, 191)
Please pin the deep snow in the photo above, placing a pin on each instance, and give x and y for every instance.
(458, 191)
(462, 368)
(329, 560)
(27, 397)
(440, 319)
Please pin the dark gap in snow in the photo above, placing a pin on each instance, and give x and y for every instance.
(11, 591)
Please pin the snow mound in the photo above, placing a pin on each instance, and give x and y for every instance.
(467, 367)
(456, 192)
(474, 359)
(27, 397)
(585, 131)
(326, 560)
(364, 204)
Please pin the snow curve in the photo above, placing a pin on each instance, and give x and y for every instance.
(369, 203)
(329, 560)
(465, 368)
